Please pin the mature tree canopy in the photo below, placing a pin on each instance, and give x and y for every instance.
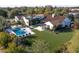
(2, 22)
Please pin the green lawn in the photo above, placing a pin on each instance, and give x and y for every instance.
(75, 42)
(54, 40)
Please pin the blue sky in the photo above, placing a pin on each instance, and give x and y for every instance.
(18, 3)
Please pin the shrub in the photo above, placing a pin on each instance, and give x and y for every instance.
(15, 49)
(40, 46)
(4, 39)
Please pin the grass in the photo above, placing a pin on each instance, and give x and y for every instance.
(77, 50)
(74, 46)
(54, 40)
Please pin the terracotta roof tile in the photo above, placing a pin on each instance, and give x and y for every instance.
(56, 20)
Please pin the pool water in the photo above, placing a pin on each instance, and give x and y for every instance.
(19, 32)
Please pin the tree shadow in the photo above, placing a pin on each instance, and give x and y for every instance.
(61, 49)
(29, 40)
(64, 29)
(32, 37)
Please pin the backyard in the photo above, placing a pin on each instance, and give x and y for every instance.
(54, 40)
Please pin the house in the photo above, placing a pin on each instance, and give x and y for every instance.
(73, 9)
(16, 19)
(74, 12)
(25, 20)
(22, 18)
(53, 22)
(37, 19)
(30, 19)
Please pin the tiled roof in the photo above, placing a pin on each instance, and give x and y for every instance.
(56, 20)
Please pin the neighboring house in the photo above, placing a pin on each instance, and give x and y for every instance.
(26, 20)
(37, 19)
(73, 9)
(18, 18)
(54, 22)
(22, 18)
(29, 17)
(74, 12)
(30, 20)
(38, 15)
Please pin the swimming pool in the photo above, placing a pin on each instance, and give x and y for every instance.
(19, 32)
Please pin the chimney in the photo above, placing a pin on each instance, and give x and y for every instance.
(53, 15)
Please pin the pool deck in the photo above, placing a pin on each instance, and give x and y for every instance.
(20, 31)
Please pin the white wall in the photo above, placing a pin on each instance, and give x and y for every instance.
(26, 21)
(73, 13)
(49, 24)
(16, 19)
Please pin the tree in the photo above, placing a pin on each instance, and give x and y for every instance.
(57, 11)
(4, 39)
(19, 22)
(2, 23)
(3, 13)
(40, 46)
(8, 10)
(29, 10)
(13, 37)
(36, 10)
(15, 49)
(15, 12)
(40, 10)
(71, 17)
(64, 11)
(48, 10)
